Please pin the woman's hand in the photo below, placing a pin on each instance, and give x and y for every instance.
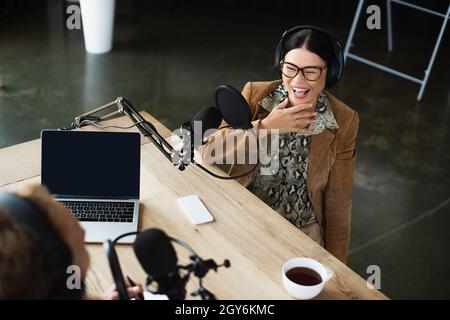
(293, 119)
(134, 292)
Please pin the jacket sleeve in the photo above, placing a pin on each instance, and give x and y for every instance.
(338, 199)
(215, 150)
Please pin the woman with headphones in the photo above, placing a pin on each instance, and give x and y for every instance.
(39, 240)
(317, 139)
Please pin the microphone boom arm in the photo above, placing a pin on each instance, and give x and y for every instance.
(148, 130)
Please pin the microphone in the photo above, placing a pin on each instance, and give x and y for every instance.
(155, 252)
(231, 106)
(205, 119)
(157, 257)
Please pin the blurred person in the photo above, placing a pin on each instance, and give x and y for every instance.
(27, 269)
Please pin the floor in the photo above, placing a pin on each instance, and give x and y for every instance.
(169, 58)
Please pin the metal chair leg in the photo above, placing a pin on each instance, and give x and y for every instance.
(353, 28)
(389, 24)
(433, 55)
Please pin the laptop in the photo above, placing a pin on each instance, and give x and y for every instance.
(96, 176)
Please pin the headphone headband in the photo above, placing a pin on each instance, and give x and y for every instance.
(335, 70)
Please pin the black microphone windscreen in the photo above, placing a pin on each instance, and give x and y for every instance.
(155, 253)
(210, 117)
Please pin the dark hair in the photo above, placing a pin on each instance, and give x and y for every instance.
(314, 41)
(25, 268)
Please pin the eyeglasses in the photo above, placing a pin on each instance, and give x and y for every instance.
(310, 73)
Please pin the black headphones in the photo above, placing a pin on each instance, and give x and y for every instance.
(335, 69)
(37, 226)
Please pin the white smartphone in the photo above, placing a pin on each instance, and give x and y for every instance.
(195, 209)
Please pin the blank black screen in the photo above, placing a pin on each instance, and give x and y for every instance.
(91, 164)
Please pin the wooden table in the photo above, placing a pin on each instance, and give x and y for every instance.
(255, 238)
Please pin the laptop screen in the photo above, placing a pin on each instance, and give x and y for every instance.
(87, 164)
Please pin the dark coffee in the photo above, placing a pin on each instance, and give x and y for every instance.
(304, 276)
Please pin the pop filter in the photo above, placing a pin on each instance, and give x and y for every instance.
(233, 107)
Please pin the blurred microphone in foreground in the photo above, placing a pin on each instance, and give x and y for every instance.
(157, 257)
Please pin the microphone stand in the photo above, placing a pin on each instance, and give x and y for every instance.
(148, 130)
(172, 284)
(199, 268)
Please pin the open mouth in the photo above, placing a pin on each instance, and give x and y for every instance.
(300, 93)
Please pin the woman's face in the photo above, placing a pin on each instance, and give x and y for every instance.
(301, 90)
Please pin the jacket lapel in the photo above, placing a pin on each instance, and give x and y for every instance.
(320, 147)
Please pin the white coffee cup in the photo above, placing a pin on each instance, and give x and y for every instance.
(301, 291)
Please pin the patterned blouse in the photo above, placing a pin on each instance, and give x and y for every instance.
(286, 190)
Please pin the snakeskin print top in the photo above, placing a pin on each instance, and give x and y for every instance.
(286, 189)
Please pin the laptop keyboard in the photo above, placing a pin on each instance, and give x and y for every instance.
(101, 211)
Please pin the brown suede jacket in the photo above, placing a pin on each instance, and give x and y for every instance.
(330, 168)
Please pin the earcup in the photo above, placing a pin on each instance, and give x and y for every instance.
(332, 75)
